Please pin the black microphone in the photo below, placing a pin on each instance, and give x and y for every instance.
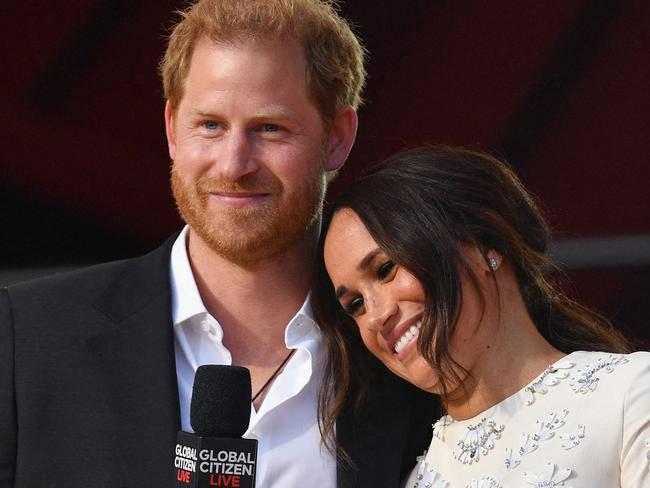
(216, 455)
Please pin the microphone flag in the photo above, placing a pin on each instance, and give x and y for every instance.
(216, 455)
(213, 461)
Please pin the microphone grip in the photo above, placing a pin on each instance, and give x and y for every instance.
(202, 462)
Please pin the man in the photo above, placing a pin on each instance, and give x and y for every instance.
(97, 366)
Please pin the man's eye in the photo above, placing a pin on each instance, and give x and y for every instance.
(353, 306)
(385, 270)
(211, 125)
(270, 128)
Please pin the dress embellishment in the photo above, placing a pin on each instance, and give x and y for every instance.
(435, 481)
(550, 377)
(573, 440)
(478, 441)
(586, 379)
(485, 482)
(528, 442)
(554, 432)
(546, 430)
(526, 446)
(439, 426)
(549, 477)
(428, 477)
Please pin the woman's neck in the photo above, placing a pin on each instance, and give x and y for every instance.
(513, 354)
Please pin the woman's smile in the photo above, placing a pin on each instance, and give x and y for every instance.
(385, 300)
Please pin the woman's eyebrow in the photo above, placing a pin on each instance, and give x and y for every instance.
(340, 291)
(363, 264)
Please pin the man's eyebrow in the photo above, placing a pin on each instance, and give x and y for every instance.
(271, 112)
(275, 112)
(365, 262)
(202, 113)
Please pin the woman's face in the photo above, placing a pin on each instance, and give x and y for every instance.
(387, 302)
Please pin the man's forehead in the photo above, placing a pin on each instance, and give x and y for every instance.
(273, 68)
(279, 59)
(257, 43)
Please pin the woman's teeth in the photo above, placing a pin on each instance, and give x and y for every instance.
(408, 336)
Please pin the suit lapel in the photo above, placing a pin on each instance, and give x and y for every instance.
(375, 437)
(136, 356)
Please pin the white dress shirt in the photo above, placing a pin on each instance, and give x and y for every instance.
(290, 452)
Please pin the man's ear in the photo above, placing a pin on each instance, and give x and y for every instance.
(169, 130)
(341, 138)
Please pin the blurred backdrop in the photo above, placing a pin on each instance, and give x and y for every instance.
(558, 88)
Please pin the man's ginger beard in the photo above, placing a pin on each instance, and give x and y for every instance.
(248, 236)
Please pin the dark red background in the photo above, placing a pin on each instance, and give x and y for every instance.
(559, 88)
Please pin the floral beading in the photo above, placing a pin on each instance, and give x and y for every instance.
(478, 441)
(439, 427)
(485, 482)
(550, 377)
(586, 379)
(569, 441)
(528, 442)
(549, 477)
(428, 477)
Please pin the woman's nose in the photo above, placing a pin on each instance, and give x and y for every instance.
(381, 310)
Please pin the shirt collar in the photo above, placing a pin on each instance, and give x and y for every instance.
(301, 331)
(186, 300)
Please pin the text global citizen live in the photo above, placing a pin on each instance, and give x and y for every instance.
(215, 465)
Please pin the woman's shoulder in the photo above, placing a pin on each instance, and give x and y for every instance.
(589, 368)
(593, 361)
(638, 361)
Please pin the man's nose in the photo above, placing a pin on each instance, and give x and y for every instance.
(236, 159)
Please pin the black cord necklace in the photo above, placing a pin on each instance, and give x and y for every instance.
(275, 373)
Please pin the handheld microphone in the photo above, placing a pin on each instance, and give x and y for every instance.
(216, 455)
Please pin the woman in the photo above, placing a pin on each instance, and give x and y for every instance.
(436, 261)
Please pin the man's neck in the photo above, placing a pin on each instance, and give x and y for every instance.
(253, 304)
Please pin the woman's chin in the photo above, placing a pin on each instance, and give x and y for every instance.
(430, 386)
(420, 374)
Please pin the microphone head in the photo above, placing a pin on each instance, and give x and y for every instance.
(221, 401)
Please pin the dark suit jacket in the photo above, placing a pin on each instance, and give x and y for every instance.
(88, 389)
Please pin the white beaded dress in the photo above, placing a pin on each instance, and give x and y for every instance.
(583, 423)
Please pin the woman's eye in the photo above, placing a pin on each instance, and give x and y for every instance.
(353, 306)
(385, 270)
(211, 125)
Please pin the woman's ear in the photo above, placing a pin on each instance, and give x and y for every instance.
(493, 260)
(341, 138)
(486, 262)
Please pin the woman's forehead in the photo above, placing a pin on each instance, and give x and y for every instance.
(347, 241)
(346, 225)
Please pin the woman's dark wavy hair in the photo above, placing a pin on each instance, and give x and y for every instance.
(419, 205)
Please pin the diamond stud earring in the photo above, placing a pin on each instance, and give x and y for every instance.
(494, 263)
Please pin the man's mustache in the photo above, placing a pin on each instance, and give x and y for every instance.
(208, 185)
